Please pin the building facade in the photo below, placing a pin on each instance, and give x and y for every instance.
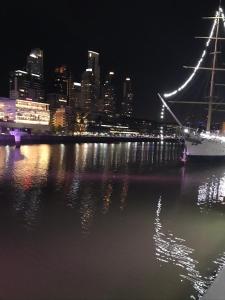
(93, 63)
(61, 83)
(24, 111)
(55, 100)
(127, 101)
(62, 88)
(26, 86)
(35, 63)
(75, 96)
(109, 95)
(90, 85)
(63, 119)
(88, 92)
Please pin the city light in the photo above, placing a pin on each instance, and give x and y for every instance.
(22, 72)
(162, 114)
(33, 55)
(77, 84)
(93, 52)
(36, 75)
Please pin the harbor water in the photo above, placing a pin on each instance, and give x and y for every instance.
(99, 221)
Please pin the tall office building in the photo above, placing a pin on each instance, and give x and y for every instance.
(26, 86)
(75, 96)
(127, 101)
(109, 95)
(93, 63)
(90, 85)
(35, 62)
(61, 88)
(61, 81)
(88, 92)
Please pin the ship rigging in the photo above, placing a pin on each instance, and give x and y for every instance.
(203, 144)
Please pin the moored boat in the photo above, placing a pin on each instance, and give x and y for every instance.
(207, 143)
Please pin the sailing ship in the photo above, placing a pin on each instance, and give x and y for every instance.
(207, 143)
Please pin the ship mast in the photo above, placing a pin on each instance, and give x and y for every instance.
(213, 68)
(211, 93)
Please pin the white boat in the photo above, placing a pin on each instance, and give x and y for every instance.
(206, 144)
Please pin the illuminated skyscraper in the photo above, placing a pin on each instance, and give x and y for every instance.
(127, 102)
(88, 92)
(61, 88)
(109, 95)
(62, 83)
(26, 86)
(90, 85)
(93, 63)
(29, 84)
(35, 62)
(75, 96)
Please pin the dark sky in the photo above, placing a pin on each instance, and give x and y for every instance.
(146, 40)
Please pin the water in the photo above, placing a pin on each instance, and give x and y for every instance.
(108, 222)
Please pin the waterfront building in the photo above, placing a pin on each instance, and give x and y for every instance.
(63, 119)
(24, 111)
(109, 95)
(59, 118)
(127, 101)
(55, 101)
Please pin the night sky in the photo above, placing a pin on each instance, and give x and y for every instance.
(146, 40)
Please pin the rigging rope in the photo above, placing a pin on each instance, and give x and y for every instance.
(218, 13)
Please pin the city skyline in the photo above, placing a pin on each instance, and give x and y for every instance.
(130, 41)
(93, 100)
(95, 94)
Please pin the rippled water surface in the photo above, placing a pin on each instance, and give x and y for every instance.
(108, 222)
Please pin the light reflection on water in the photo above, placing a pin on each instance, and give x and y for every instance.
(170, 248)
(211, 192)
(173, 249)
(86, 198)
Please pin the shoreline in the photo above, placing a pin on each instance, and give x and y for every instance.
(55, 139)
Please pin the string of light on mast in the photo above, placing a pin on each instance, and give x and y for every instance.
(218, 14)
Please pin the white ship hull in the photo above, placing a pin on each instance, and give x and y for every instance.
(205, 147)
